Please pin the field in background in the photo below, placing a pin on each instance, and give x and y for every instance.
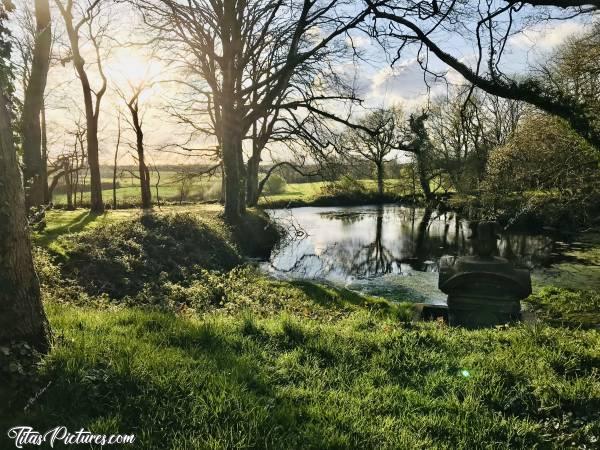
(173, 188)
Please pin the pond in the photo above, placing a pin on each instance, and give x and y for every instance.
(394, 251)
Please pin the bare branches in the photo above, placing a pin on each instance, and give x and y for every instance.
(406, 26)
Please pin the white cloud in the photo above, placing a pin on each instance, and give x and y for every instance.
(547, 36)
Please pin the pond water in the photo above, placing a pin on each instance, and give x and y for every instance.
(394, 251)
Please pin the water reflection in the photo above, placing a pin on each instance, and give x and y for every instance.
(345, 244)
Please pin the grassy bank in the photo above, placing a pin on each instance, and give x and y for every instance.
(188, 350)
(346, 192)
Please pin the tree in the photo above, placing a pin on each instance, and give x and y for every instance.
(375, 147)
(548, 170)
(21, 312)
(464, 128)
(136, 121)
(543, 155)
(221, 40)
(116, 160)
(489, 25)
(34, 166)
(575, 68)
(417, 142)
(92, 108)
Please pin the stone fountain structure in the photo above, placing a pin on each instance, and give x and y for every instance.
(483, 290)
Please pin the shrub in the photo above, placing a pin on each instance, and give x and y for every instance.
(345, 186)
(543, 155)
(120, 258)
(275, 185)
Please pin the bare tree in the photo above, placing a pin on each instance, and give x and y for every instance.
(90, 14)
(67, 166)
(34, 165)
(219, 40)
(376, 147)
(136, 122)
(464, 128)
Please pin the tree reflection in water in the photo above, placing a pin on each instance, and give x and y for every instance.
(369, 242)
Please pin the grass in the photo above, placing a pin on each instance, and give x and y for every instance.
(295, 192)
(567, 307)
(171, 189)
(192, 352)
(128, 194)
(60, 222)
(240, 381)
(321, 194)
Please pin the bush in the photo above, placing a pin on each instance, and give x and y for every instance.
(543, 155)
(345, 186)
(275, 185)
(120, 258)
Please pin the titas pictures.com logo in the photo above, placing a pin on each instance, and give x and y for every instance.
(24, 435)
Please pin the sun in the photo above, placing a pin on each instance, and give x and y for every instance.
(128, 66)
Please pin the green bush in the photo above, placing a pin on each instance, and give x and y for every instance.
(275, 185)
(345, 186)
(120, 258)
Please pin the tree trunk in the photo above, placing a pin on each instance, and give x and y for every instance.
(243, 182)
(380, 175)
(21, 312)
(233, 185)
(222, 196)
(96, 203)
(143, 170)
(114, 183)
(69, 184)
(252, 190)
(32, 106)
(144, 182)
(157, 185)
(231, 129)
(47, 196)
(423, 180)
(91, 111)
(149, 191)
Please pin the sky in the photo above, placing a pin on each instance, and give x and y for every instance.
(379, 84)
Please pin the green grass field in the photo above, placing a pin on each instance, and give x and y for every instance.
(308, 192)
(172, 190)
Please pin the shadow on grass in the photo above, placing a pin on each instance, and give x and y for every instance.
(235, 383)
(341, 298)
(156, 377)
(73, 224)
